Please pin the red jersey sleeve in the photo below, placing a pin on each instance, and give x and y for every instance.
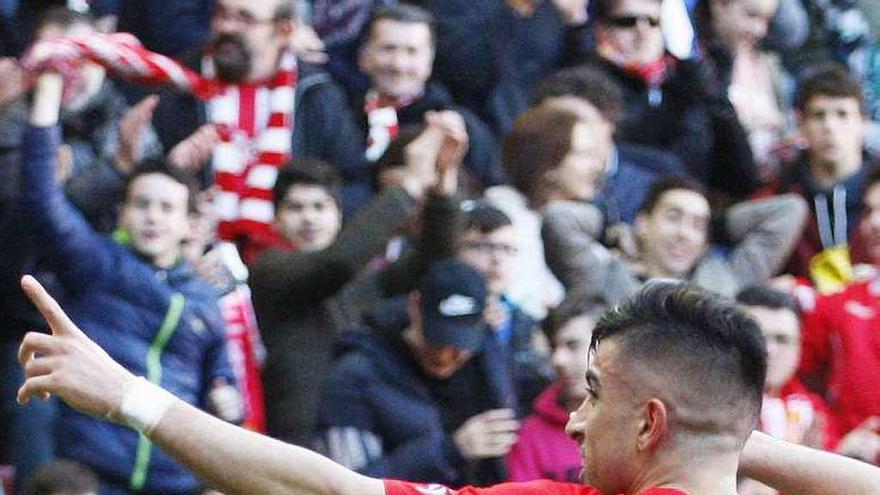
(541, 487)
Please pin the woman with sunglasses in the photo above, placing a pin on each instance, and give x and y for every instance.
(671, 104)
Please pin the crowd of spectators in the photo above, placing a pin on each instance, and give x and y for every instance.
(384, 230)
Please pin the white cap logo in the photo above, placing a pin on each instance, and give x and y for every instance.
(458, 305)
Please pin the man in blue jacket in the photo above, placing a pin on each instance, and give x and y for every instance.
(133, 293)
(423, 394)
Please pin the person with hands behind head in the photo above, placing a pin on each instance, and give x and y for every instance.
(68, 364)
(672, 232)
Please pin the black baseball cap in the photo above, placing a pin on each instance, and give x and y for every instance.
(453, 297)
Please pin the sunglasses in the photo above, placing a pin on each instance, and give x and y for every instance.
(630, 21)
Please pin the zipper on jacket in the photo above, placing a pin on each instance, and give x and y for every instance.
(154, 375)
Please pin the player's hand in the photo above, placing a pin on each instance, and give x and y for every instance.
(131, 131)
(66, 363)
(488, 434)
(193, 152)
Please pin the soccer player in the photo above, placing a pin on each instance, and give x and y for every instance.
(675, 383)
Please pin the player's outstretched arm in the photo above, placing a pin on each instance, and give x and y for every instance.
(797, 469)
(69, 365)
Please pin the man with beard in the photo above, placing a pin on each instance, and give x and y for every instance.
(641, 431)
(266, 107)
(672, 231)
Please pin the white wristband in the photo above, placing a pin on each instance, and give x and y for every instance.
(144, 405)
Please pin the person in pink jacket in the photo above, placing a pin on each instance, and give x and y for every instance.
(543, 451)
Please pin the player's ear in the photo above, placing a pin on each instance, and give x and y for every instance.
(653, 424)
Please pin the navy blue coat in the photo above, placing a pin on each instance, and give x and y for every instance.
(162, 324)
(379, 417)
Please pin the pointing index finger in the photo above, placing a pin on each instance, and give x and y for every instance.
(48, 307)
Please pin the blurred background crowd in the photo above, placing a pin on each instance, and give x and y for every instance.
(385, 230)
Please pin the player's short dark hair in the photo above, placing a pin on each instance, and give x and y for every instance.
(828, 79)
(665, 183)
(768, 297)
(306, 172)
(483, 217)
(711, 351)
(590, 83)
(575, 304)
(179, 175)
(404, 13)
(59, 477)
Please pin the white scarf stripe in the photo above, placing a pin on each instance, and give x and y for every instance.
(262, 176)
(282, 99)
(258, 210)
(228, 159)
(275, 140)
(224, 108)
(238, 153)
(226, 205)
(261, 110)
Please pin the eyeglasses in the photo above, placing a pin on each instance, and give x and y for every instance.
(486, 247)
(630, 21)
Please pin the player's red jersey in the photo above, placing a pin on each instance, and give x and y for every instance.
(540, 487)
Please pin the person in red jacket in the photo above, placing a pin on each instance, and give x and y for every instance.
(789, 411)
(543, 450)
(841, 345)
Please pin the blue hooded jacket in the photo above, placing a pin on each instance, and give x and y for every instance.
(161, 324)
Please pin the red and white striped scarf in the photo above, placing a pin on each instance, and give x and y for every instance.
(382, 122)
(255, 122)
